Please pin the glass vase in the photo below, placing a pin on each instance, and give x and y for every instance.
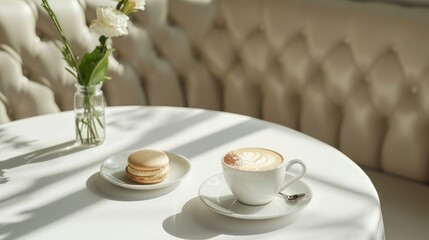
(89, 115)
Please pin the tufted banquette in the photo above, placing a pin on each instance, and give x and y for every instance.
(354, 74)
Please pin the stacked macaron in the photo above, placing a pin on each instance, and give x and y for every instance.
(147, 166)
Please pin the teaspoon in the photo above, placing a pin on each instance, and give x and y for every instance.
(293, 196)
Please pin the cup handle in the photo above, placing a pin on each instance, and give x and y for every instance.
(297, 177)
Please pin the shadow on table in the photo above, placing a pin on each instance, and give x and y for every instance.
(41, 155)
(197, 221)
(97, 185)
(36, 218)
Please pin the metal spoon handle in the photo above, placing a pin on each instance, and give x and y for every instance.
(293, 196)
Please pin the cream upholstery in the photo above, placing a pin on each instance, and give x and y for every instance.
(353, 74)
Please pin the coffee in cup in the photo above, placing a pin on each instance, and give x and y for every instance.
(253, 159)
(256, 175)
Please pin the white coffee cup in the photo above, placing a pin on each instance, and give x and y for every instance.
(256, 175)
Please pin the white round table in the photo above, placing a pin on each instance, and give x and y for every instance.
(52, 190)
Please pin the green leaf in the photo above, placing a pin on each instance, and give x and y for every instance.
(100, 71)
(93, 66)
(67, 56)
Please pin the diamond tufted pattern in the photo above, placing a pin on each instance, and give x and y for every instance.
(355, 75)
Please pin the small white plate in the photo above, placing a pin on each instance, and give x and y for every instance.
(216, 195)
(113, 170)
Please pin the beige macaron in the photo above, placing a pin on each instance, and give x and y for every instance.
(147, 166)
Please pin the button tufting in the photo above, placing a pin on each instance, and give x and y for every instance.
(414, 89)
(171, 21)
(219, 23)
(196, 53)
(26, 72)
(40, 34)
(367, 78)
(347, 40)
(116, 55)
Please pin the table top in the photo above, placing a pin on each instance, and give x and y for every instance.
(50, 188)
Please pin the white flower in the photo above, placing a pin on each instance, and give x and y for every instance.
(140, 4)
(110, 22)
(134, 4)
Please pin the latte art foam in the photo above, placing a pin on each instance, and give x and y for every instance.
(253, 159)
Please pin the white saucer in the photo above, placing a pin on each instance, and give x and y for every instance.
(113, 170)
(216, 195)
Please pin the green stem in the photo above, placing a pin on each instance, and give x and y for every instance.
(121, 4)
(90, 128)
(67, 45)
(79, 129)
